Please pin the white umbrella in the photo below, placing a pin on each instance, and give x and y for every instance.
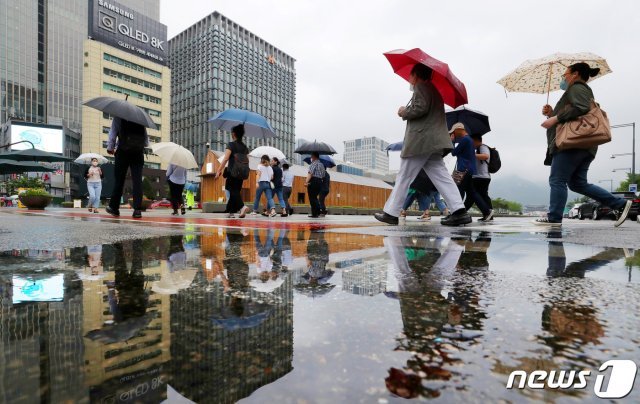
(175, 154)
(85, 158)
(269, 151)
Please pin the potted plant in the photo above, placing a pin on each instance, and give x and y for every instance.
(146, 203)
(35, 198)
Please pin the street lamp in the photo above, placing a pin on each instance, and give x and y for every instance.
(610, 184)
(633, 145)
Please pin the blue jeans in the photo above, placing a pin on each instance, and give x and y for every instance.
(423, 201)
(570, 167)
(95, 189)
(279, 192)
(263, 186)
(435, 196)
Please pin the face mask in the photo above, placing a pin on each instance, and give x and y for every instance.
(563, 84)
(95, 164)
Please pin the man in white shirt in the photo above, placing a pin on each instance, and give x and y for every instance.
(287, 186)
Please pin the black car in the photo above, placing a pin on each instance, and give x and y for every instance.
(595, 210)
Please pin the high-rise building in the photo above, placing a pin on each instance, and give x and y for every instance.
(297, 158)
(41, 63)
(369, 152)
(216, 64)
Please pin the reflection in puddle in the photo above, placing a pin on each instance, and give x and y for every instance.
(222, 315)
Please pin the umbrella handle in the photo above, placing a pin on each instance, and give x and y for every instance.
(549, 85)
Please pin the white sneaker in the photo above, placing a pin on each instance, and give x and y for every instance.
(624, 214)
(243, 212)
(230, 215)
(253, 213)
(543, 221)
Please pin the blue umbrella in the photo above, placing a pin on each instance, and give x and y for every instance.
(325, 159)
(475, 122)
(395, 146)
(255, 125)
(191, 186)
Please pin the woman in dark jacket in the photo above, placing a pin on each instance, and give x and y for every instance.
(570, 166)
(234, 185)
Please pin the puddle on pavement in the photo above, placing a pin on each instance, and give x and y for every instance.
(282, 316)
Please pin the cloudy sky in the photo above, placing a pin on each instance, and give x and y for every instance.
(346, 89)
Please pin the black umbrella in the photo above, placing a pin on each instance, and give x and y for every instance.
(17, 167)
(122, 109)
(315, 147)
(34, 155)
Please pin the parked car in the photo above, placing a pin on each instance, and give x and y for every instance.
(598, 211)
(594, 210)
(163, 203)
(573, 212)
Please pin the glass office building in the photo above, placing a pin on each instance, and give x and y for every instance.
(215, 65)
(369, 152)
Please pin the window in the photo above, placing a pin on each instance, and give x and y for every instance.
(301, 198)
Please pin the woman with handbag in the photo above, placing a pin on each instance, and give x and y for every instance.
(570, 166)
(232, 184)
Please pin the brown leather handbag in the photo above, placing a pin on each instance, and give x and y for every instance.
(587, 131)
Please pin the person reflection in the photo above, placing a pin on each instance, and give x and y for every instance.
(264, 263)
(235, 264)
(563, 315)
(422, 269)
(176, 255)
(127, 297)
(314, 282)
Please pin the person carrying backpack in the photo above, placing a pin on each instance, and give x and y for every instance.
(236, 155)
(482, 178)
(129, 152)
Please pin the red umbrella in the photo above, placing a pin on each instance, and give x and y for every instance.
(450, 87)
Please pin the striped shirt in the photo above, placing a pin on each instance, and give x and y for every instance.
(317, 169)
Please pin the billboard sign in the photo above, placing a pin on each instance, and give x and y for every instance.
(48, 138)
(121, 27)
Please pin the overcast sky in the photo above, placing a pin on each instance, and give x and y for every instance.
(346, 88)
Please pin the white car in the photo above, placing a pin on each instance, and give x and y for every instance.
(573, 212)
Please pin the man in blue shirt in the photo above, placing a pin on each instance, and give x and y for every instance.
(465, 151)
(129, 152)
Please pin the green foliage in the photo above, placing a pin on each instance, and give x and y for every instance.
(147, 189)
(631, 179)
(581, 199)
(634, 261)
(34, 192)
(23, 182)
(503, 204)
(67, 204)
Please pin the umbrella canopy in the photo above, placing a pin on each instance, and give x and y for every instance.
(175, 154)
(34, 155)
(85, 158)
(476, 122)
(122, 109)
(269, 151)
(325, 159)
(450, 87)
(255, 125)
(242, 314)
(315, 147)
(543, 75)
(18, 167)
(172, 282)
(120, 332)
(395, 146)
(191, 186)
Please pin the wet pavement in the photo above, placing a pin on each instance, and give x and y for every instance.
(341, 311)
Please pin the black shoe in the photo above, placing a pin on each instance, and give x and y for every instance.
(386, 218)
(183, 211)
(137, 214)
(313, 216)
(457, 218)
(174, 213)
(112, 212)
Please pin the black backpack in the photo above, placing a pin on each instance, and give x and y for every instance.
(132, 136)
(494, 160)
(240, 169)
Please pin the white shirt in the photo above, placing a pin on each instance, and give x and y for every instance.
(482, 166)
(266, 173)
(287, 178)
(94, 174)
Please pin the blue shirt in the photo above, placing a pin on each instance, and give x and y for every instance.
(177, 174)
(113, 133)
(465, 151)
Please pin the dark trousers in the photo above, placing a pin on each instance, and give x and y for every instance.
(466, 188)
(321, 198)
(287, 194)
(481, 185)
(313, 190)
(126, 160)
(176, 194)
(235, 203)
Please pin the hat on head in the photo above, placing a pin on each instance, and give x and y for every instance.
(455, 126)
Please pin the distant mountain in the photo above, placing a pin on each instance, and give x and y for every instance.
(515, 188)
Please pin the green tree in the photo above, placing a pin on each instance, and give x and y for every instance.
(23, 182)
(147, 189)
(503, 204)
(631, 179)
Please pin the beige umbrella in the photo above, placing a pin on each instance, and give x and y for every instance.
(175, 154)
(172, 282)
(543, 75)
